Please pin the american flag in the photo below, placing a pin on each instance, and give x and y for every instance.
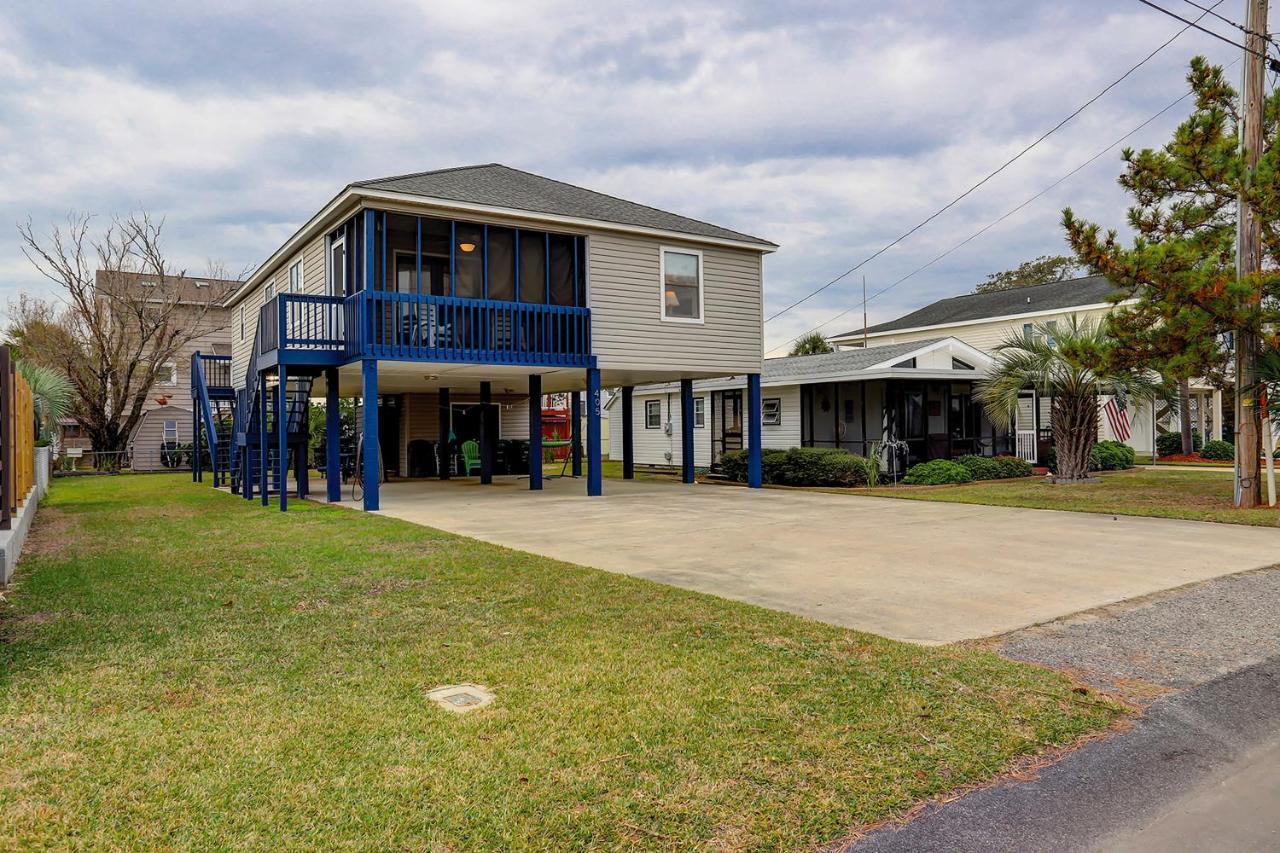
(1119, 420)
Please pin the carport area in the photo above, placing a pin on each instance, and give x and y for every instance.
(912, 570)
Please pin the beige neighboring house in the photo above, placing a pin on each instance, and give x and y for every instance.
(983, 320)
(167, 413)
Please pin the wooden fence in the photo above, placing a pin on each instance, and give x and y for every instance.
(17, 438)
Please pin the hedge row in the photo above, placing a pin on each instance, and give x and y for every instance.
(939, 472)
(817, 466)
(802, 466)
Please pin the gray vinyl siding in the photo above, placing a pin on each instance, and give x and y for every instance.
(149, 436)
(420, 418)
(313, 281)
(627, 329)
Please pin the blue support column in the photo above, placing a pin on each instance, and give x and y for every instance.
(595, 478)
(282, 436)
(372, 475)
(246, 473)
(486, 434)
(628, 435)
(575, 434)
(196, 474)
(535, 432)
(332, 436)
(686, 430)
(754, 465)
(263, 467)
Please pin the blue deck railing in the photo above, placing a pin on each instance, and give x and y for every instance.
(415, 327)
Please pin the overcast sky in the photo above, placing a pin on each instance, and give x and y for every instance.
(827, 127)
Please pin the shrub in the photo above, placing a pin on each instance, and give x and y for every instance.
(936, 473)
(1218, 449)
(1111, 456)
(981, 467)
(1170, 443)
(1013, 466)
(995, 467)
(800, 466)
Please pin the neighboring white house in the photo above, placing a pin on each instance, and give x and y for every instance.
(983, 320)
(917, 394)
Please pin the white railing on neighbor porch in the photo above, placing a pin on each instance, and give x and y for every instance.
(1027, 446)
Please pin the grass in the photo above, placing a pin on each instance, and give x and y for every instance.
(181, 668)
(1199, 496)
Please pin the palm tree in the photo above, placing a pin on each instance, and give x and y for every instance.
(812, 344)
(1056, 361)
(51, 393)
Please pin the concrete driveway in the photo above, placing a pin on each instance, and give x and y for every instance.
(911, 570)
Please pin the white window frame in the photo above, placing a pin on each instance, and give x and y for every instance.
(662, 285)
(699, 412)
(295, 284)
(173, 375)
(767, 419)
(657, 404)
(269, 290)
(165, 430)
(242, 322)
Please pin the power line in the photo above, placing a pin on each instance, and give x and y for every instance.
(1274, 64)
(984, 229)
(1241, 27)
(971, 189)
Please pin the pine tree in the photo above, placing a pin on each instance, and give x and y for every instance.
(1181, 264)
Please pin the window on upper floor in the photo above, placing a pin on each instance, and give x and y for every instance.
(269, 291)
(167, 374)
(242, 323)
(681, 271)
(295, 277)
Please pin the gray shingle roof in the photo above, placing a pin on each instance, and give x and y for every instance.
(1090, 290)
(501, 186)
(778, 371)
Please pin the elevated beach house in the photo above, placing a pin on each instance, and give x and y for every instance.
(446, 301)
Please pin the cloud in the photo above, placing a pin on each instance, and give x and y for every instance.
(829, 127)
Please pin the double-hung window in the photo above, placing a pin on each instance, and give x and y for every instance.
(171, 432)
(699, 412)
(653, 414)
(681, 271)
(295, 277)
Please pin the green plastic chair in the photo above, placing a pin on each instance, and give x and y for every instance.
(470, 456)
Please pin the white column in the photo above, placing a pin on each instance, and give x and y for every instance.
(1217, 413)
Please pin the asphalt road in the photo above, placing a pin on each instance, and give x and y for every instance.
(1200, 769)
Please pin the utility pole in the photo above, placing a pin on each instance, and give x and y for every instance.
(1249, 261)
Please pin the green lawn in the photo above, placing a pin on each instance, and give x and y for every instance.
(181, 668)
(1196, 495)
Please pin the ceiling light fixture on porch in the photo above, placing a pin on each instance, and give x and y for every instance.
(467, 247)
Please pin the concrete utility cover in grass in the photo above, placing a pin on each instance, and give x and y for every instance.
(460, 698)
(912, 570)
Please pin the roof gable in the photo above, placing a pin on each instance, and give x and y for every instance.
(1057, 295)
(495, 185)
